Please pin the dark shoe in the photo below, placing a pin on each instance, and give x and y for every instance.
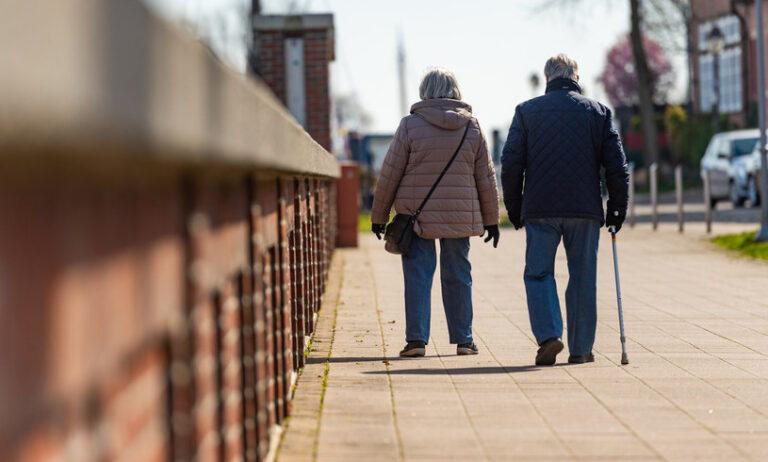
(548, 352)
(415, 348)
(466, 349)
(581, 359)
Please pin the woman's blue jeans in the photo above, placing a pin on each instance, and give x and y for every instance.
(580, 238)
(456, 281)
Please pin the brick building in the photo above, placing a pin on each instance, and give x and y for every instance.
(737, 62)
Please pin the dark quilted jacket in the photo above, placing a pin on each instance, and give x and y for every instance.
(550, 166)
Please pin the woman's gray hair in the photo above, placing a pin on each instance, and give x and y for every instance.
(561, 66)
(439, 83)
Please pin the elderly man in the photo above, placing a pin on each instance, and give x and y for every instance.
(550, 173)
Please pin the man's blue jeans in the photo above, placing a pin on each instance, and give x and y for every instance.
(456, 280)
(580, 237)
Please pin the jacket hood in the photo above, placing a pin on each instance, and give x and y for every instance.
(448, 114)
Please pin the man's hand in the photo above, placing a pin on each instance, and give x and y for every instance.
(514, 217)
(493, 233)
(614, 219)
(378, 229)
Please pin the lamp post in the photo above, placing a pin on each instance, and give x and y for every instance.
(715, 44)
(762, 234)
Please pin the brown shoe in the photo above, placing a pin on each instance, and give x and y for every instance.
(548, 352)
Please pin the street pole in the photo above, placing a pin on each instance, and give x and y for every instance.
(631, 205)
(716, 80)
(707, 200)
(679, 197)
(653, 173)
(252, 63)
(762, 235)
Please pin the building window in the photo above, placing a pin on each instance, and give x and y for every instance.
(730, 80)
(706, 84)
(729, 67)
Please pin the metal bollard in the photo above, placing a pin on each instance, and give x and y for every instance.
(631, 204)
(679, 196)
(707, 202)
(652, 170)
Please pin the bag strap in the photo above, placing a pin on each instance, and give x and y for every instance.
(466, 129)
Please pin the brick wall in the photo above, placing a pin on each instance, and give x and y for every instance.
(318, 96)
(165, 230)
(156, 319)
(318, 52)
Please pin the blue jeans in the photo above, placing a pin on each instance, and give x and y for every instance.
(580, 237)
(456, 281)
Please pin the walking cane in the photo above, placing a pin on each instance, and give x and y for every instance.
(624, 359)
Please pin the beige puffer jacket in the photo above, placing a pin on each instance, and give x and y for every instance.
(466, 199)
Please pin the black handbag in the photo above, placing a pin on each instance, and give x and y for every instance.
(399, 232)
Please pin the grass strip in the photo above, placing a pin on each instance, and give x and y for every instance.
(744, 244)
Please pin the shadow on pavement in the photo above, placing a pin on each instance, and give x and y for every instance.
(352, 359)
(458, 371)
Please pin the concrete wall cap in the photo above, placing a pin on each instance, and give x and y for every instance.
(112, 74)
(293, 22)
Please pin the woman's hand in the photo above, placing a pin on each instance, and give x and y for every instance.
(378, 229)
(493, 233)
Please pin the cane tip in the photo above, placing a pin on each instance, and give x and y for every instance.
(624, 359)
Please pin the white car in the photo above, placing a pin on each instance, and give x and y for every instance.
(746, 178)
(717, 161)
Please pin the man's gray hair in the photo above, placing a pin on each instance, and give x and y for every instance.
(561, 66)
(439, 83)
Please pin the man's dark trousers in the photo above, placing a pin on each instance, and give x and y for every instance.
(580, 238)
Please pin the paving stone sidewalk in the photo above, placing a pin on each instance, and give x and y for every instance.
(696, 387)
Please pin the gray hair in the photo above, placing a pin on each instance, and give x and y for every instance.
(439, 83)
(561, 66)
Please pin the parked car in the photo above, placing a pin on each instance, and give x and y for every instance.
(717, 161)
(746, 178)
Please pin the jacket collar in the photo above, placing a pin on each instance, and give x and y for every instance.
(563, 84)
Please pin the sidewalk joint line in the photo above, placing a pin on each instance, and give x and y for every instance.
(385, 360)
(706, 427)
(463, 404)
(509, 374)
(697, 348)
(327, 371)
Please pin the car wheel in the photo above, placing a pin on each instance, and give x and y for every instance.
(736, 197)
(752, 192)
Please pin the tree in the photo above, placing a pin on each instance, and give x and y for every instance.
(619, 79)
(644, 85)
(670, 22)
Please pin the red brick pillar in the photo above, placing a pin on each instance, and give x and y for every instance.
(293, 56)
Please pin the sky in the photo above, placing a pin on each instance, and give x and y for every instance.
(492, 46)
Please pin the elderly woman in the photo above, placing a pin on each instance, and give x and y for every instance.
(465, 203)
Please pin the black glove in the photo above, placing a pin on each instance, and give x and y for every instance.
(516, 220)
(378, 230)
(514, 217)
(493, 233)
(614, 218)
